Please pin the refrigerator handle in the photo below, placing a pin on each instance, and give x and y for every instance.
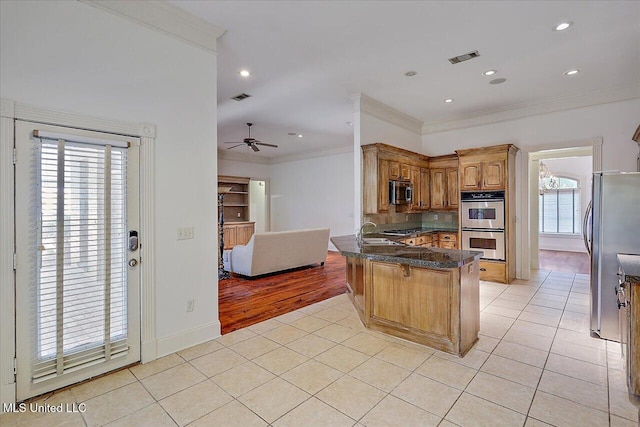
(585, 227)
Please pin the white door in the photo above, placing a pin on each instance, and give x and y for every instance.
(77, 279)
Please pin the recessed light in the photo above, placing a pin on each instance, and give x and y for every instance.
(410, 73)
(448, 100)
(245, 73)
(299, 135)
(572, 72)
(563, 26)
(497, 81)
(489, 72)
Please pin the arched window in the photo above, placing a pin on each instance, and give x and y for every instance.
(560, 211)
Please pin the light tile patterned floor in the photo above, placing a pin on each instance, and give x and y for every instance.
(534, 365)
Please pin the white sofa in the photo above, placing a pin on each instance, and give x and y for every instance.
(278, 250)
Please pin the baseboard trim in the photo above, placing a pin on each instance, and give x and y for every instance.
(7, 395)
(182, 340)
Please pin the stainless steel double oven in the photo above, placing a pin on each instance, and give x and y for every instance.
(483, 223)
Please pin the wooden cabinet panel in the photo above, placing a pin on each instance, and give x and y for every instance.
(229, 232)
(470, 175)
(394, 170)
(244, 233)
(413, 297)
(493, 175)
(405, 172)
(416, 201)
(453, 193)
(425, 192)
(438, 188)
(493, 271)
(383, 186)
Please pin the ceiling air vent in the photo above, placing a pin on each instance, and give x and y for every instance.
(241, 97)
(465, 57)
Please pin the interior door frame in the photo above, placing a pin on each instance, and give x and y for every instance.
(11, 111)
(527, 188)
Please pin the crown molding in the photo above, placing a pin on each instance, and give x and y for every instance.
(165, 18)
(544, 106)
(248, 158)
(366, 104)
(242, 157)
(312, 154)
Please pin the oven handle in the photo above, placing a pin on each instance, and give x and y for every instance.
(585, 226)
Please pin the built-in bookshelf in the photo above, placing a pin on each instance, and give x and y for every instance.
(236, 201)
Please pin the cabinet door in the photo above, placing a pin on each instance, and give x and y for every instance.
(229, 232)
(493, 175)
(424, 189)
(416, 201)
(414, 297)
(405, 172)
(438, 186)
(471, 176)
(453, 192)
(394, 170)
(244, 233)
(383, 185)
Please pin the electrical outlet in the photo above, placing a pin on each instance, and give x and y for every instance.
(435, 217)
(189, 305)
(238, 214)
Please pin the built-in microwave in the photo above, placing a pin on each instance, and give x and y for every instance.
(400, 192)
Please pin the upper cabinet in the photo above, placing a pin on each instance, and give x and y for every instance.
(443, 186)
(476, 174)
(382, 163)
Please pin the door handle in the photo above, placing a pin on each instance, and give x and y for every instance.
(585, 226)
(133, 240)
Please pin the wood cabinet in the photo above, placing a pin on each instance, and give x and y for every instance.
(445, 193)
(436, 307)
(425, 190)
(238, 233)
(493, 169)
(448, 240)
(381, 163)
(488, 175)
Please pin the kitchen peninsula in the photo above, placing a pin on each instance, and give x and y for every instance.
(425, 295)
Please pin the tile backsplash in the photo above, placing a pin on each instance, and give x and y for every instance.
(393, 220)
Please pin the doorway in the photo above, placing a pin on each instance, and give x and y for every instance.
(78, 280)
(558, 209)
(259, 204)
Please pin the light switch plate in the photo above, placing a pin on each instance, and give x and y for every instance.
(185, 233)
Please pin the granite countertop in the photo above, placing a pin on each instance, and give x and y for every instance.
(417, 256)
(630, 267)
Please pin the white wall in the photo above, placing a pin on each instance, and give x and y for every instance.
(247, 169)
(373, 129)
(313, 193)
(69, 56)
(258, 205)
(578, 168)
(614, 122)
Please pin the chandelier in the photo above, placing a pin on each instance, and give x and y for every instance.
(546, 181)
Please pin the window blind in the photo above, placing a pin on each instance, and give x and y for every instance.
(81, 290)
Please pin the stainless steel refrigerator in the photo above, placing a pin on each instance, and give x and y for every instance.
(614, 227)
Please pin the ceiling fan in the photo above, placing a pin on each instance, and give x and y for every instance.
(251, 142)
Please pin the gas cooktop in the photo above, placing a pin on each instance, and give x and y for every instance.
(402, 232)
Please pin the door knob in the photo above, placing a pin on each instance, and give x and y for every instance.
(133, 262)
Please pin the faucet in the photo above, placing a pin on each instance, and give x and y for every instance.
(359, 233)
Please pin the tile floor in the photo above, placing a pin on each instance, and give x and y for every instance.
(534, 365)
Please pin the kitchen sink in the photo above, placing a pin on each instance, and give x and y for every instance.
(379, 241)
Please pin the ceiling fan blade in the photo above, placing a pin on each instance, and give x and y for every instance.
(254, 147)
(229, 148)
(233, 142)
(268, 145)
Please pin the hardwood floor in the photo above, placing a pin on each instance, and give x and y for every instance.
(569, 262)
(243, 302)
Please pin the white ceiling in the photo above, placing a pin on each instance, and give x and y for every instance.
(307, 57)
